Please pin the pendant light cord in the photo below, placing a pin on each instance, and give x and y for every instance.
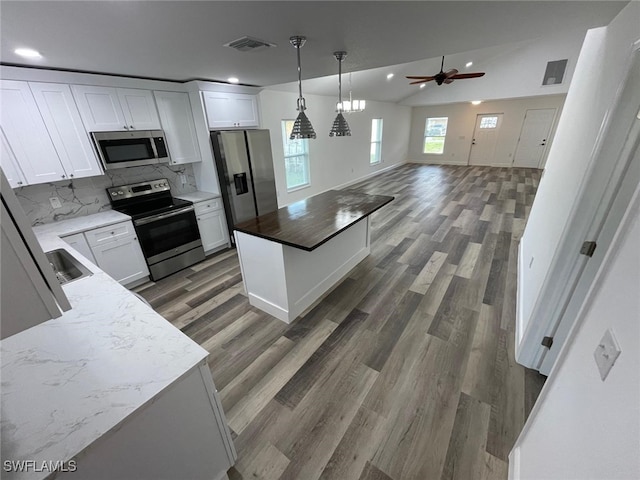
(340, 81)
(299, 72)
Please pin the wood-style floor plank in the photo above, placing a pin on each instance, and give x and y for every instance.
(405, 369)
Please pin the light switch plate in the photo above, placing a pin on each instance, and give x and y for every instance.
(606, 353)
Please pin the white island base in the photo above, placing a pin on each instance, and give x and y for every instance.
(284, 281)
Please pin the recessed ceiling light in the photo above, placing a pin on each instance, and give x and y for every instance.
(233, 80)
(27, 53)
(468, 64)
(423, 85)
(476, 102)
(390, 76)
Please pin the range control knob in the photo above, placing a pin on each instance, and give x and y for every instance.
(113, 194)
(120, 192)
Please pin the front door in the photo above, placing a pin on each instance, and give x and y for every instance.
(485, 139)
(534, 138)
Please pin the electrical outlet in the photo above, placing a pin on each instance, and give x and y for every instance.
(55, 202)
(606, 353)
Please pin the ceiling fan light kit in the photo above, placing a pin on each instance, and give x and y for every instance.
(340, 126)
(302, 127)
(443, 77)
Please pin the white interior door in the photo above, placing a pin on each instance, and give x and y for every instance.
(534, 137)
(485, 139)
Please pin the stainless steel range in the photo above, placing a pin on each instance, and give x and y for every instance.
(166, 226)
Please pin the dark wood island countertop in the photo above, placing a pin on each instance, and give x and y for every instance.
(309, 223)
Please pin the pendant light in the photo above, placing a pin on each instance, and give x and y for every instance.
(340, 126)
(302, 127)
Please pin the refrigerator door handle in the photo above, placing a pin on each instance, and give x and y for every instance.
(240, 181)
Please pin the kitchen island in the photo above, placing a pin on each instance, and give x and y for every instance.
(291, 257)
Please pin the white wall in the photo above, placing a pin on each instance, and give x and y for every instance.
(597, 78)
(339, 160)
(462, 121)
(584, 428)
(515, 73)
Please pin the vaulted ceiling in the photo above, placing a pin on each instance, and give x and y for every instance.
(182, 40)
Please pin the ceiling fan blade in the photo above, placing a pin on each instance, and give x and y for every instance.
(460, 76)
(421, 81)
(448, 80)
(419, 77)
(450, 73)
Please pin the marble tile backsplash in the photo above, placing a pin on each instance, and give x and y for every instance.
(84, 196)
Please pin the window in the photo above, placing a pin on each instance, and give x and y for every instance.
(435, 131)
(296, 158)
(376, 141)
(488, 122)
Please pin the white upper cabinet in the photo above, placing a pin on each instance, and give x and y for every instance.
(27, 134)
(105, 109)
(139, 109)
(176, 117)
(10, 166)
(66, 130)
(100, 108)
(229, 110)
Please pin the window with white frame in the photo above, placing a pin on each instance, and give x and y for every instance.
(296, 158)
(435, 131)
(376, 141)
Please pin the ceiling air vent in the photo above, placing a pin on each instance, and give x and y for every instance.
(248, 44)
(554, 73)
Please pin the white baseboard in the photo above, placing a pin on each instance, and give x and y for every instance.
(357, 180)
(369, 175)
(271, 308)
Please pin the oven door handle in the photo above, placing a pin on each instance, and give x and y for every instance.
(162, 216)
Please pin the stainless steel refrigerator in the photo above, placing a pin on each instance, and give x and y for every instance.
(245, 171)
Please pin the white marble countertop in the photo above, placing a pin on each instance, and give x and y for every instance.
(196, 197)
(81, 224)
(69, 381)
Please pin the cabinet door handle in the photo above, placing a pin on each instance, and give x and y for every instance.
(19, 183)
(71, 175)
(125, 127)
(62, 176)
(131, 127)
(113, 233)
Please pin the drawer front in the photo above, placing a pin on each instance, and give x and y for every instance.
(207, 206)
(102, 235)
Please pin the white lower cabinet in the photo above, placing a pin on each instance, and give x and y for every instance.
(212, 230)
(113, 248)
(181, 434)
(122, 259)
(212, 224)
(79, 242)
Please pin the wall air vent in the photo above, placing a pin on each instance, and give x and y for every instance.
(554, 73)
(248, 44)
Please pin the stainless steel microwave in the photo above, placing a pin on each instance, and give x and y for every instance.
(130, 148)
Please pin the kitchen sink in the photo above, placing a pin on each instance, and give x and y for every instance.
(65, 266)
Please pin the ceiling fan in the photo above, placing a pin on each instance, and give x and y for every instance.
(443, 77)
